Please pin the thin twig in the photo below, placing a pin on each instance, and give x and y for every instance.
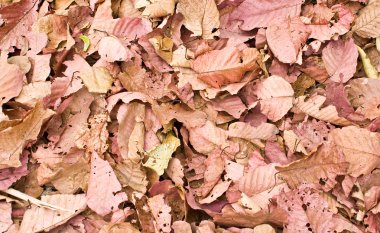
(30, 199)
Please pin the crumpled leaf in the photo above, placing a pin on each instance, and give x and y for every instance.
(95, 137)
(340, 58)
(103, 194)
(132, 175)
(220, 67)
(33, 92)
(200, 16)
(97, 79)
(163, 47)
(158, 157)
(367, 24)
(13, 140)
(276, 97)
(32, 221)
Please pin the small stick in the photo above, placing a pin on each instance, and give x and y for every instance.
(33, 200)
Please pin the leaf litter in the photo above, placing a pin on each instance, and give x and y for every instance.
(241, 116)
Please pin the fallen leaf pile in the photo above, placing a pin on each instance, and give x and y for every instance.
(228, 116)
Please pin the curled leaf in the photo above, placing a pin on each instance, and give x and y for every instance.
(160, 155)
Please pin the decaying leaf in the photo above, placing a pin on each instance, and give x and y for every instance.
(183, 116)
(360, 148)
(367, 24)
(97, 79)
(32, 221)
(14, 139)
(158, 157)
(200, 16)
(105, 196)
(313, 107)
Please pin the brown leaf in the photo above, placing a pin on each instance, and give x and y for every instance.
(200, 16)
(13, 140)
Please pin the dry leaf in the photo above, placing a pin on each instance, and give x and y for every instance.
(200, 16)
(97, 79)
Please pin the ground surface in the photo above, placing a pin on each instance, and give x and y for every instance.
(251, 116)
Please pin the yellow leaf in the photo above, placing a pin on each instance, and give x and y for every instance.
(97, 79)
(159, 156)
(369, 69)
(86, 42)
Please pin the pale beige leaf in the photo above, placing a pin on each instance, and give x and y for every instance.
(264, 228)
(132, 175)
(94, 138)
(97, 79)
(22, 62)
(34, 92)
(313, 107)
(368, 23)
(13, 140)
(201, 17)
(362, 90)
(360, 147)
(38, 219)
(163, 47)
(72, 177)
(131, 133)
(293, 142)
(276, 97)
(159, 8)
(319, 168)
(207, 138)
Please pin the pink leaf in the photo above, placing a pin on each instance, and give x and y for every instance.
(340, 58)
(286, 38)
(103, 194)
(261, 13)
